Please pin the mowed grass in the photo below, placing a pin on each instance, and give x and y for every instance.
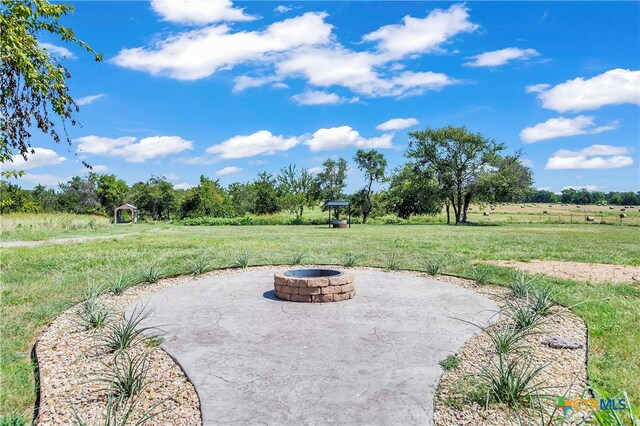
(39, 283)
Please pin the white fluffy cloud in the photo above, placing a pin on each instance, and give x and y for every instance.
(99, 168)
(320, 97)
(86, 100)
(183, 186)
(496, 58)
(198, 12)
(132, 151)
(41, 157)
(258, 143)
(343, 137)
(424, 35)
(199, 53)
(282, 8)
(587, 187)
(614, 87)
(57, 50)
(225, 171)
(397, 124)
(537, 88)
(44, 179)
(305, 47)
(592, 157)
(561, 127)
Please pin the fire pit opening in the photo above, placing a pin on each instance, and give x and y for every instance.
(314, 285)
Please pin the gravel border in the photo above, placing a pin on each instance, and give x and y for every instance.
(71, 384)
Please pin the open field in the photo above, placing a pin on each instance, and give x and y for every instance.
(38, 283)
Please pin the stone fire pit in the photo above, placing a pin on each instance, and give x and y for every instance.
(314, 285)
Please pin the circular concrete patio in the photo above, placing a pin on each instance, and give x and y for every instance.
(371, 360)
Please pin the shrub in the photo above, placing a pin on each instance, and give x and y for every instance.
(199, 265)
(151, 275)
(128, 376)
(541, 301)
(450, 363)
(523, 315)
(511, 381)
(480, 274)
(393, 263)
(350, 260)
(126, 332)
(298, 258)
(93, 312)
(507, 339)
(242, 260)
(520, 285)
(119, 283)
(434, 266)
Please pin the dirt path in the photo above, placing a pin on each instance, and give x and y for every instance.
(588, 272)
(10, 244)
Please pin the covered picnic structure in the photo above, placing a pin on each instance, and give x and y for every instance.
(117, 213)
(336, 205)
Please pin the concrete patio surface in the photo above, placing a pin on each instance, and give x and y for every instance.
(371, 360)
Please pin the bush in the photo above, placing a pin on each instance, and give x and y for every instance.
(511, 381)
(128, 376)
(121, 335)
(450, 363)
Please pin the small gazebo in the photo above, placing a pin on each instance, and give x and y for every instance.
(117, 213)
(337, 223)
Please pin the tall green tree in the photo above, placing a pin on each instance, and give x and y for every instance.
(374, 165)
(331, 181)
(206, 199)
(242, 197)
(456, 158)
(265, 196)
(111, 191)
(507, 181)
(33, 83)
(295, 189)
(154, 198)
(79, 195)
(412, 192)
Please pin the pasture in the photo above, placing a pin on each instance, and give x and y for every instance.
(38, 283)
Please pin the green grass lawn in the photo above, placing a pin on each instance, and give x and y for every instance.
(39, 283)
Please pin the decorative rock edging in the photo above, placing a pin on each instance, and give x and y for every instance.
(314, 290)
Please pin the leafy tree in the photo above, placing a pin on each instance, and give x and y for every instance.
(206, 199)
(507, 181)
(330, 182)
(295, 189)
(15, 199)
(413, 192)
(543, 196)
(111, 191)
(265, 194)
(456, 158)
(242, 199)
(46, 198)
(79, 195)
(155, 198)
(33, 82)
(374, 166)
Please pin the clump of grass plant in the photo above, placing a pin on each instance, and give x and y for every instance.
(520, 285)
(122, 334)
(119, 283)
(512, 381)
(393, 263)
(451, 362)
(434, 266)
(151, 274)
(542, 301)
(297, 258)
(199, 265)
(93, 312)
(350, 260)
(128, 375)
(507, 340)
(480, 274)
(524, 315)
(242, 260)
(119, 413)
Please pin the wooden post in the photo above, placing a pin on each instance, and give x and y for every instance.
(115, 216)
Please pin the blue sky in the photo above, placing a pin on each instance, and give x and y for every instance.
(231, 89)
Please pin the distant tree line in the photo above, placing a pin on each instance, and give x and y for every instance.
(446, 170)
(584, 196)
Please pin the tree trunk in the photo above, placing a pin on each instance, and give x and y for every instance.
(365, 215)
(446, 205)
(458, 208)
(467, 201)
